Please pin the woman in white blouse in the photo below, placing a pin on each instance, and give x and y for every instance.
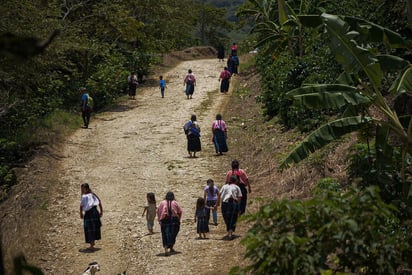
(90, 215)
(230, 196)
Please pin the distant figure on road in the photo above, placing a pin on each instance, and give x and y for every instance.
(219, 135)
(162, 84)
(221, 53)
(87, 108)
(169, 214)
(233, 49)
(212, 196)
(150, 211)
(243, 182)
(90, 215)
(190, 82)
(132, 81)
(192, 131)
(202, 218)
(230, 195)
(224, 79)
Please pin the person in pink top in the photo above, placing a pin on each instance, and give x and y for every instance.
(224, 79)
(169, 214)
(243, 183)
(219, 135)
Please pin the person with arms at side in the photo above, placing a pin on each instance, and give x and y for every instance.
(211, 195)
(132, 81)
(224, 79)
(150, 210)
(90, 215)
(169, 214)
(192, 131)
(162, 84)
(233, 49)
(190, 82)
(221, 53)
(243, 183)
(230, 196)
(219, 132)
(201, 218)
(86, 105)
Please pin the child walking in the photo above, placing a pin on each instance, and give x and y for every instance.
(150, 210)
(162, 84)
(201, 216)
(212, 198)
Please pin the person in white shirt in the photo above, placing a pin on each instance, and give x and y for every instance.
(230, 196)
(90, 215)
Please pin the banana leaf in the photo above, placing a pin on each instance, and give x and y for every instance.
(372, 32)
(327, 133)
(351, 56)
(327, 96)
(392, 62)
(403, 83)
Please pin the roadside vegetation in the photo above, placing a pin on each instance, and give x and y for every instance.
(328, 74)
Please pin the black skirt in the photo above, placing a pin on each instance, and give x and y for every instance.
(92, 224)
(193, 143)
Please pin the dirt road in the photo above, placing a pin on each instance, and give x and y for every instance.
(140, 147)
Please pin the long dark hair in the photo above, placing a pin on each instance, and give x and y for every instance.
(200, 203)
(211, 188)
(169, 198)
(151, 197)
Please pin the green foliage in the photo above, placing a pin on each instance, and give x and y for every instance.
(374, 165)
(339, 231)
(282, 74)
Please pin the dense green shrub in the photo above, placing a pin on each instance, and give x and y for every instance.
(283, 73)
(352, 231)
(367, 167)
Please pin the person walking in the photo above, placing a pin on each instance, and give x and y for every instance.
(224, 79)
(201, 218)
(221, 53)
(230, 195)
(150, 211)
(233, 49)
(169, 214)
(190, 82)
(132, 81)
(90, 215)
(192, 131)
(162, 84)
(243, 183)
(219, 132)
(86, 105)
(211, 195)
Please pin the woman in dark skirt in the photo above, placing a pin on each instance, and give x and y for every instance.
(224, 79)
(230, 195)
(219, 131)
(90, 215)
(169, 214)
(192, 131)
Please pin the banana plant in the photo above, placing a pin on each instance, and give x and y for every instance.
(349, 40)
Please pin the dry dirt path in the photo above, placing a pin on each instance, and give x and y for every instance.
(138, 148)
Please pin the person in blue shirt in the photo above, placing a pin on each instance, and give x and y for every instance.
(86, 109)
(162, 84)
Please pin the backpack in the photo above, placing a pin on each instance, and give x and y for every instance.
(90, 101)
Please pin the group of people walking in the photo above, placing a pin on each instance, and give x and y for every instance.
(219, 136)
(231, 198)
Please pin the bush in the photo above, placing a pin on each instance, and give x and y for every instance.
(352, 231)
(283, 73)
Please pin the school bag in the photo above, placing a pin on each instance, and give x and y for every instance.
(90, 102)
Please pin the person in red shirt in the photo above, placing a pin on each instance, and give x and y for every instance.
(243, 183)
(224, 79)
